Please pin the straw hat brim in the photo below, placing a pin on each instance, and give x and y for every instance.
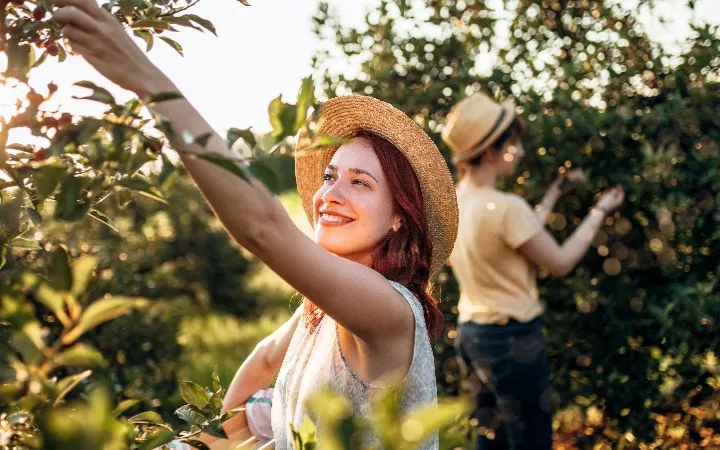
(487, 141)
(344, 117)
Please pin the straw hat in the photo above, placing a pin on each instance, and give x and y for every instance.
(344, 117)
(474, 124)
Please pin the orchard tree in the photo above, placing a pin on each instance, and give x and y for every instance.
(55, 390)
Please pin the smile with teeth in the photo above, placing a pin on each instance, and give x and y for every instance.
(332, 218)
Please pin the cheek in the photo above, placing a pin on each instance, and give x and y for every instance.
(317, 201)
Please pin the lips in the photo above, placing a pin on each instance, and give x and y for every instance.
(329, 218)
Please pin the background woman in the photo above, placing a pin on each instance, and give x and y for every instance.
(384, 210)
(501, 240)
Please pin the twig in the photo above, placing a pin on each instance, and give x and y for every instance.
(178, 10)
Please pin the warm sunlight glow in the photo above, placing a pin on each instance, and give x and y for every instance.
(9, 96)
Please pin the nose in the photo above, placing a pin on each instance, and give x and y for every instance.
(334, 194)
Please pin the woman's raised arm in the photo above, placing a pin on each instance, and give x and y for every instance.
(356, 296)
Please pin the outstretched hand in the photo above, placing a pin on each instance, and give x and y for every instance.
(93, 33)
(611, 199)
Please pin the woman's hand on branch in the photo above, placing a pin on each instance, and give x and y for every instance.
(97, 36)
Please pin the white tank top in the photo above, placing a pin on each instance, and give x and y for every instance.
(314, 360)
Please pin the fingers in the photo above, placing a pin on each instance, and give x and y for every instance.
(80, 41)
(76, 18)
(89, 7)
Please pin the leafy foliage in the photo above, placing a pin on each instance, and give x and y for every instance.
(633, 332)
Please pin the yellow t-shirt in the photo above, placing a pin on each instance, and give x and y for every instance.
(496, 282)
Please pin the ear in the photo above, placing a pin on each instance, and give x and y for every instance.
(397, 223)
(489, 156)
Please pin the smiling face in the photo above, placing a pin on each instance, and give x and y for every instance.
(354, 208)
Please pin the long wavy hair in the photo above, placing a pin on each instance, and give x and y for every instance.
(403, 256)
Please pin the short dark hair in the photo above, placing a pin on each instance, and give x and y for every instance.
(515, 130)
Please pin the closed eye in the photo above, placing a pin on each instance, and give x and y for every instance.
(361, 183)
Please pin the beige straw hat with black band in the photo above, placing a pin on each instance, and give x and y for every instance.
(474, 124)
(344, 117)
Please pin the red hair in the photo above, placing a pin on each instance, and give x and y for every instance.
(403, 256)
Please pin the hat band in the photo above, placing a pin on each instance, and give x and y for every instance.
(495, 126)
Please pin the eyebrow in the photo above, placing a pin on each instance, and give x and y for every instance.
(356, 171)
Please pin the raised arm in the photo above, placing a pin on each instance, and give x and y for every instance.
(544, 251)
(251, 214)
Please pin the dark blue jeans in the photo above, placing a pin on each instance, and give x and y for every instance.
(508, 368)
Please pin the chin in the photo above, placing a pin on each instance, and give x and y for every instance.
(341, 245)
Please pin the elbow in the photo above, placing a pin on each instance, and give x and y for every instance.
(560, 270)
(264, 352)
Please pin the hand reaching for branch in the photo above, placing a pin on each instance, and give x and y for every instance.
(611, 199)
(97, 36)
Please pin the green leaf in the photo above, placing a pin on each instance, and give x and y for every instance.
(101, 311)
(43, 292)
(168, 174)
(102, 218)
(81, 271)
(80, 356)
(191, 415)
(147, 417)
(306, 98)
(214, 428)
(99, 94)
(40, 60)
(25, 345)
(246, 135)
(233, 166)
(194, 394)
(202, 22)
(321, 142)
(24, 244)
(264, 173)
(421, 423)
(162, 97)
(34, 216)
(68, 205)
(62, 54)
(145, 24)
(143, 187)
(174, 44)
(66, 385)
(215, 403)
(282, 118)
(147, 37)
(182, 21)
(216, 380)
(124, 406)
(19, 59)
(60, 274)
(157, 438)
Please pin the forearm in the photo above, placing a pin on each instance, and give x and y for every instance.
(547, 204)
(575, 247)
(243, 207)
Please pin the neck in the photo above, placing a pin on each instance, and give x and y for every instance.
(483, 175)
